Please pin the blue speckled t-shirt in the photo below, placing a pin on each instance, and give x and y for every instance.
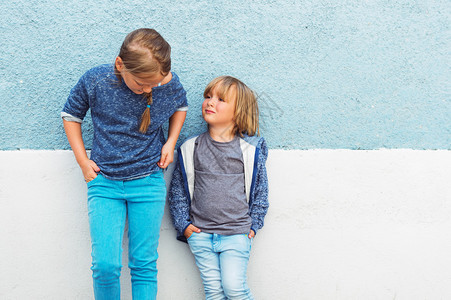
(119, 149)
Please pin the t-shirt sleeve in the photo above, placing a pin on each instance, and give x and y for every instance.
(182, 102)
(183, 108)
(70, 118)
(77, 104)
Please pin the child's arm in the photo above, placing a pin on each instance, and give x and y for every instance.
(175, 126)
(179, 205)
(87, 166)
(260, 203)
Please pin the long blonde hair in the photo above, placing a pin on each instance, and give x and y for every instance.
(145, 51)
(246, 106)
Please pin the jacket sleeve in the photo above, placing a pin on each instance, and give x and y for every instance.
(259, 205)
(179, 204)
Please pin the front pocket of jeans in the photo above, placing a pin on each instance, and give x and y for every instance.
(192, 234)
(157, 179)
(90, 183)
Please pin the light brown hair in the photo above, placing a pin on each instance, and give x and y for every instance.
(246, 106)
(145, 51)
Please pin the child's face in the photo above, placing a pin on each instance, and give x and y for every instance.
(138, 83)
(220, 112)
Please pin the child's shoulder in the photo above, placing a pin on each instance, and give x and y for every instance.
(257, 141)
(100, 70)
(98, 74)
(175, 78)
(173, 85)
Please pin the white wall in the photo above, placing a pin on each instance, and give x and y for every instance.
(342, 224)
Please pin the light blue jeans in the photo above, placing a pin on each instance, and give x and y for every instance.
(109, 204)
(222, 261)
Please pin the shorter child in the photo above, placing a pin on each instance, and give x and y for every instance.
(219, 190)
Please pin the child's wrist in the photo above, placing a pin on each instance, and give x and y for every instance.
(82, 161)
(171, 142)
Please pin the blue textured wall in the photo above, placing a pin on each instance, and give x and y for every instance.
(330, 74)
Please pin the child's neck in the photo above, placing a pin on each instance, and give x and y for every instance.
(220, 134)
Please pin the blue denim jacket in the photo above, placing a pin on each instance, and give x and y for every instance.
(119, 149)
(255, 153)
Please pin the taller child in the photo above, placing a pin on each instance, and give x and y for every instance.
(130, 101)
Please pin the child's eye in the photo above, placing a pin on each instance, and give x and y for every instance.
(140, 84)
(222, 100)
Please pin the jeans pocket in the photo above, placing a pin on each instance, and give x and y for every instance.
(90, 183)
(191, 236)
(157, 179)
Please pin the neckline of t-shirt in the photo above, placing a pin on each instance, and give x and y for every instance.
(170, 83)
(220, 143)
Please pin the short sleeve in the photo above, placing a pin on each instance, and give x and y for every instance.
(182, 102)
(180, 96)
(77, 103)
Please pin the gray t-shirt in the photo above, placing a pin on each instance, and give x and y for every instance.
(219, 201)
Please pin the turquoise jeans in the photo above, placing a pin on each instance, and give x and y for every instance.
(109, 204)
(222, 261)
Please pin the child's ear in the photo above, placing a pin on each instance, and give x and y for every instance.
(119, 64)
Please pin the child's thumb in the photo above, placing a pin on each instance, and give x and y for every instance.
(95, 167)
(163, 159)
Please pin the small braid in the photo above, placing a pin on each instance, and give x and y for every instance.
(145, 118)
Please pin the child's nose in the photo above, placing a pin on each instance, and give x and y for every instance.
(212, 101)
(147, 88)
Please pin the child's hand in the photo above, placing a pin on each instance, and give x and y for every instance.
(189, 230)
(251, 234)
(167, 156)
(89, 169)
